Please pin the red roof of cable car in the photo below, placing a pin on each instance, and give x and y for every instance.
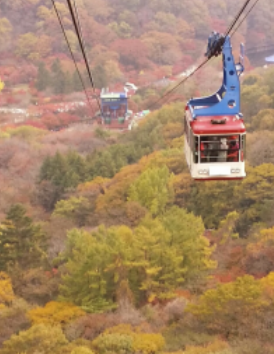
(203, 125)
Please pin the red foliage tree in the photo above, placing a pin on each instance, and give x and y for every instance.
(132, 52)
(182, 65)
(36, 124)
(51, 121)
(66, 118)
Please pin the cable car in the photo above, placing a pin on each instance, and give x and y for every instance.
(215, 133)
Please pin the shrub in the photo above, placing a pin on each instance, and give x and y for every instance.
(113, 342)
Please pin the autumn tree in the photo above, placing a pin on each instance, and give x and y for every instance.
(26, 45)
(225, 309)
(55, 314)
(6, 29)
(36, 338)
(150, 261)
(6, 291)
(85, 284)
(153, 190)
(159, 43)
(132, 52)
(77, 209)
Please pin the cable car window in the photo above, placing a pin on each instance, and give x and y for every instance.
(219, 149)
(196, 149)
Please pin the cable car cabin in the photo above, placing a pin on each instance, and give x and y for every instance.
(215, 134)
(215, 147)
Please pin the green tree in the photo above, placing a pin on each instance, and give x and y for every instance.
(68, 85)
(63, 171)
(100, 76)
(152, 189)
(43, 77)
(85, 283)
(58, 77)
(255, 197)
(175, 252)
(22, 242)
(77, 209)
(118, 263)
(76, 82)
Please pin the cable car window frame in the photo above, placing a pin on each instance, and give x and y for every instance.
(196, 149)
(216, 159)
(243, 147)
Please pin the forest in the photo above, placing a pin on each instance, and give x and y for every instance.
(106, 243)
(132, 40)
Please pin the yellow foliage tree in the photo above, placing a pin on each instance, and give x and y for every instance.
(6, 291)
(148, 343)
(38, 339)
(82, 350)
(26, 133)
(55, 313)
(2, 85)
(97, 184)
(223, 309)
(123, 338)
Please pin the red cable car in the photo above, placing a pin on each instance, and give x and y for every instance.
(215, 133)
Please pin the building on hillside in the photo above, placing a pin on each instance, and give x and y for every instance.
(270, 60)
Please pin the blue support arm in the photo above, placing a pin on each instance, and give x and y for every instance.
(226, 101)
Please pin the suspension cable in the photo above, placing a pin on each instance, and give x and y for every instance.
(179, 84)
(239, 25)
(230, 28)
(80, 29)
(71, 52)
(237, 17)
(83, 51)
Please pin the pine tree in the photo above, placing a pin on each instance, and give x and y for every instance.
(43, 77)
(68, 85)
(100, 76)
(76, 82)
(46, 169)
(85, 282)
(22, 242)
(58, 78)
(56, 66)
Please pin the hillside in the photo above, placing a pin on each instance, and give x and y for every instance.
(126, 40)
(106, 243)
(138, 269)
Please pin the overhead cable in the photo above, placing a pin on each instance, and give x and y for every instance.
(230, 28)
(78, 33)
(237, 17)
(71, 52)
(239, 25)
